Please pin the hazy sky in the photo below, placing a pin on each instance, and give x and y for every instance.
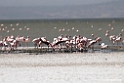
(48, 2)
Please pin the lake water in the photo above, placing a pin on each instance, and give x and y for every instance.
(53, 28)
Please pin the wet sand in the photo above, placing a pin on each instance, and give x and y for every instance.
(62, 68)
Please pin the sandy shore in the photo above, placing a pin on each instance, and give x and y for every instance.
(62, 68)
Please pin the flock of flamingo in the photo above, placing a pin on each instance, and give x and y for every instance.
(81, 43)
(10, 42)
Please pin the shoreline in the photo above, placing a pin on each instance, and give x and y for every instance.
(110, 48)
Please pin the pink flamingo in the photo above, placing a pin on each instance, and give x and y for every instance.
(12, 43)
(91, 43)
(39, 41)
(36, 42)
(118, 39)
(43, 40)
(112, 39)
(20, 39)
(98, 39)
(61, 40)
(5, 43)
(82, 44)
(27, 40)
(92, 35)
(58, 41)
(107, 34)
(1, 44)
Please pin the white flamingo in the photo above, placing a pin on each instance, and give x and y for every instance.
(104, 46)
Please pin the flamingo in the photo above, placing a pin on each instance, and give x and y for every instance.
(107, 34)
(98, 39)
(61, 40)
(112, 39)
(1, 44)
(10, 38)
(92, 35)
(10, 42)
(58, 41)
(27, 40)
(91, 43)
(104, 46)
(45, 41)
(5, 43)
(118, 39)
(41, 40)
(122, 30)
(81, 47)
(107, 31)
(77, 30)
(82, 44)
(20, 39)
(15, 44)
(36, 42)
(112, 28)
(2, 25)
